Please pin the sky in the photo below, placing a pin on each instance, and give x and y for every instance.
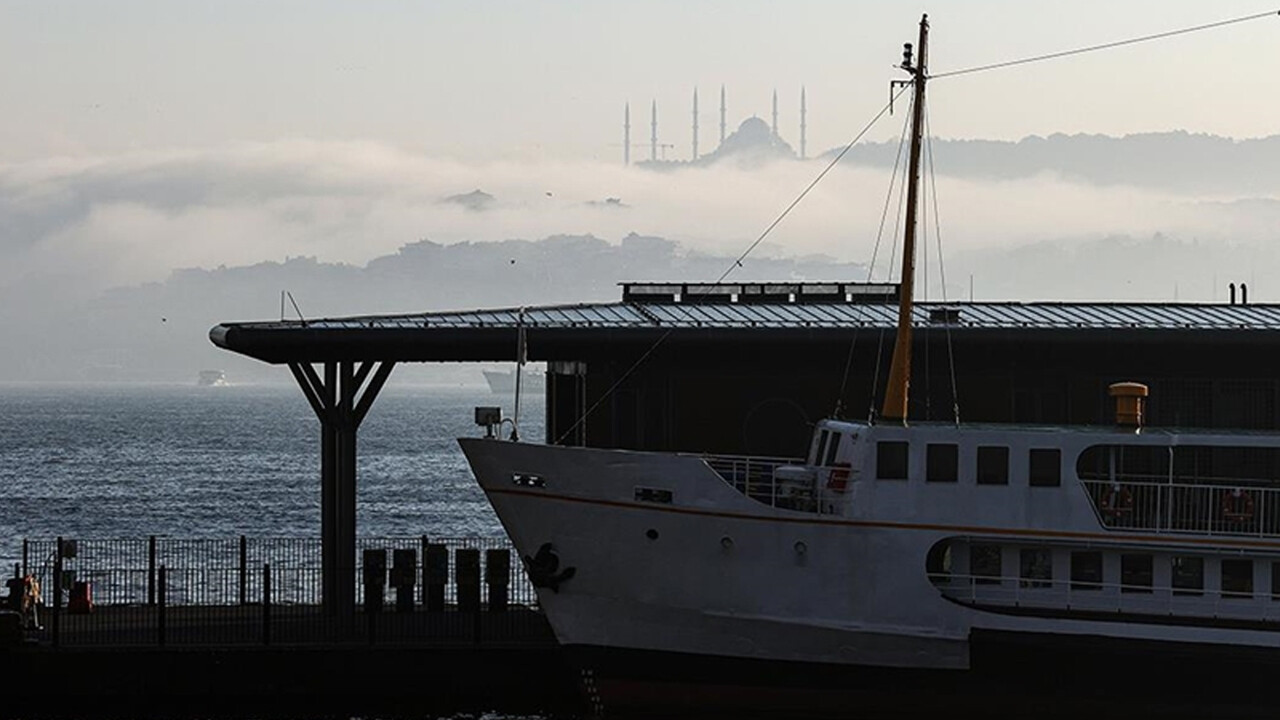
(497, 79)
(144, 136)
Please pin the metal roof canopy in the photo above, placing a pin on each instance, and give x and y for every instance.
(487, 335)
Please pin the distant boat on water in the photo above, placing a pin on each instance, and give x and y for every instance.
(212, 378)
(503, 382)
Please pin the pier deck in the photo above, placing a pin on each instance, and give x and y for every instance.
(190, 629)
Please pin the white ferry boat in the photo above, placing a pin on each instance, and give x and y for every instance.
(903, 568)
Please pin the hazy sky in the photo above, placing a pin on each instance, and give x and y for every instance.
(142, 136)
(489, 79)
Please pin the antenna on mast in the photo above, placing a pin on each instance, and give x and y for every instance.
(897, 390)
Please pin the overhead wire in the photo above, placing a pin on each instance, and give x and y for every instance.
(1103, 46)
(734, 266)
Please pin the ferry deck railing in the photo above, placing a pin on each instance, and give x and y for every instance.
(1227, 507)
(755, 477)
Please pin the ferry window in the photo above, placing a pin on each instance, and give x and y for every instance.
(1036, 567)
(832, 447)
(822, 446)
(1237, 578)
(938, 562)
(891, 460)
(1045, 467)
(941, 463)
(1086, 570)
(1135, 573)
(984, 564)
(993, 465)
(1188, 575)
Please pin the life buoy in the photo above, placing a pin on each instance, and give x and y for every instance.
(1117, 502)
(838, 477)
(1237, 505)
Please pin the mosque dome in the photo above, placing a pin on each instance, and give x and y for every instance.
(753, 138)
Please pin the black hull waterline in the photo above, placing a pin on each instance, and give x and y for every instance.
(1012, 675)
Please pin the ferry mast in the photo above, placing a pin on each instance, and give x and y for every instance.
(897, 389)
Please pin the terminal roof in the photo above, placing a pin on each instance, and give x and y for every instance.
(478, 335)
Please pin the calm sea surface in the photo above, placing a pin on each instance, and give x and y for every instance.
(114, 461)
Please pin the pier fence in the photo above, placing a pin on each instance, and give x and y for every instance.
(160, 591)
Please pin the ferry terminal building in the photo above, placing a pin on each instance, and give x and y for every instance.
(748, 368)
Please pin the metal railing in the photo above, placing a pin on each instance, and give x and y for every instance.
(159, 591)
(216, 571)
(1164, 507)
(756, 478)
(1053, 595)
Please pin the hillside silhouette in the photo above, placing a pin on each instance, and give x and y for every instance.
(158, 331)
(1178, 160)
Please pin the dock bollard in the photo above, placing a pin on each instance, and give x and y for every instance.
(467, 579)
(151, 568)
(404, 575)
(435, 576)
(266, 603)
(161, 606)
(497, 575)
(244, 570)
(375, 579)
(56, 621)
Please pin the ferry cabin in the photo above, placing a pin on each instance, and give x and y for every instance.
(1123, 524)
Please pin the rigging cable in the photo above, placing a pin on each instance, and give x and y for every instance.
(924, 275)
(897, 223)
(1103, 46)
(734, 266)
(871, 268)
(942, 268)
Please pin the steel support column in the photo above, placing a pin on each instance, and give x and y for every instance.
(341, 406)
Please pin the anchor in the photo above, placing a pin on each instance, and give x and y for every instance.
(542, 569)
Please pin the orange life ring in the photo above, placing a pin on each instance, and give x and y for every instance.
(838, 478)
(1116, 502)
(1237, 505)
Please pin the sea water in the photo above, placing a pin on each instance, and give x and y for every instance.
(184, 461)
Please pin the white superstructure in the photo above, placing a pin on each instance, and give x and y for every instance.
(889, 545)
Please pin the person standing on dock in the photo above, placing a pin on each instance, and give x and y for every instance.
(31, 602)
(24, 597)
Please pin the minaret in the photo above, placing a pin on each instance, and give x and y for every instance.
(775, 113)
(695, 123)
(626, 134)
(722, 114)
(653, 134)
(802, 124)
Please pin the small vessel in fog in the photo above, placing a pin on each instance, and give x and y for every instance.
(503, 382)
(211, 378)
